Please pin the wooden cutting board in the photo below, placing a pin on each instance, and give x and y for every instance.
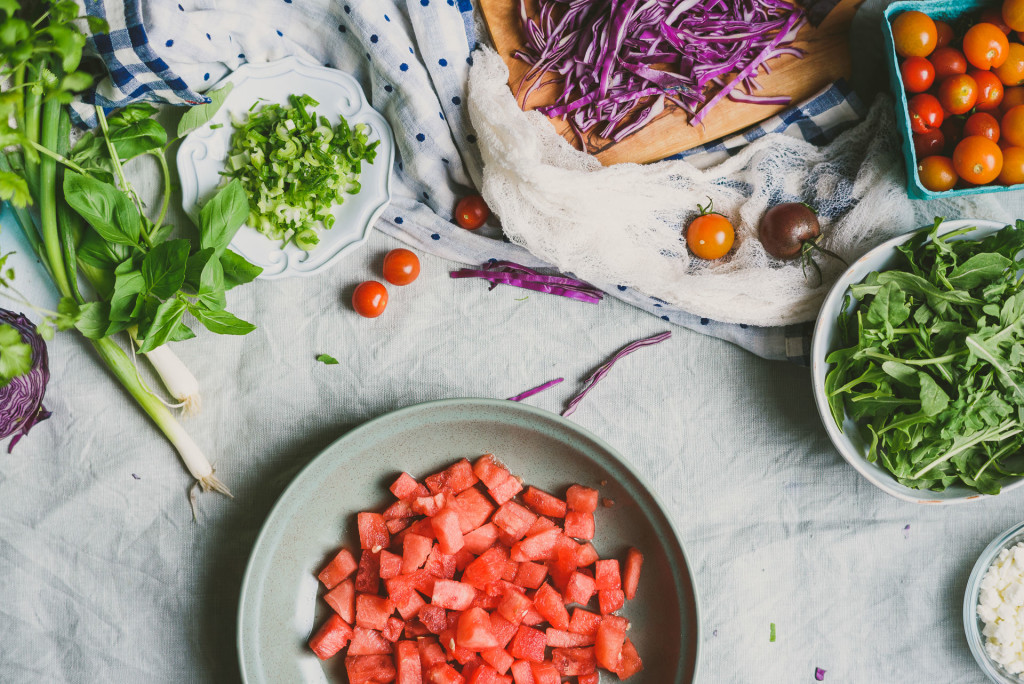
(827, 59)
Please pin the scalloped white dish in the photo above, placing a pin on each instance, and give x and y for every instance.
(203, 152)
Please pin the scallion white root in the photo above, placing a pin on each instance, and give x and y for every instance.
(194, 458)
(177, 378)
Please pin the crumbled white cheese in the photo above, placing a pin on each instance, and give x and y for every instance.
(1001, 609)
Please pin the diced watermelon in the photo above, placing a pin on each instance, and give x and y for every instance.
(474, 630)
(551, 605)
(407, 663)
(572, 662)
(532, 617)
(434, 618)
(586, 555)
(581, 499)
(440, 564)
(390, 565)
(630, 663)
(372, 612)
(498, 658)
(610, 600)
(487, 568)
(423, 528)
(342, 599)
(396, 527)
(415, 549)
(373, 532)
(505, 679)
(368, 577)
(486, 601)
(398, 510)
(452, 595)
(502, 629)
(592, 678)
(611, 634)
(542, 503)
(415, 629)
(463, 558)
(402, 592)
(449, 533)
(511, 568)
(368, 642)
(513, 519)
(579, 525)
(564, 564)
(406, 487)
(606, 574)
(579, 589)
(460, 477)
(341, 566)
(332, 636)
(393, 629)
(444, 673)
(584, 622)
(369, 669)
(514, 606)
(473, 507)
(429, 505)
(559, 639)
(484, 674)
(530, 575)
(528, 644)
(423, 582)
(500, 483)
(522, 673)
(506, 491)
(536, 547)
(482, 538)
(631, 573)
(431, 652)
(540, 525)
(452, 648)
(545, 673)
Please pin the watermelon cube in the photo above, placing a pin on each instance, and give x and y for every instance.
(500, 483)
(559, 639)
(415, 549)
(540, 525)
(610, 600)
(606, 574)
(564, 564)
(448, 530)
(530, 575)
(498, 658)
(579, 589)
(473, 507)
(545, 673)
(631, 573)
(332, 636)
(341, 566)
(393, 629)
(502, 629)
(528, 644)
(532, 617)
(373, 532)
(460, 477)
(440, 564)
(428, 505)
(630, 663)
(373, 612)
(584, 622)
(513, 519)
(395, 527)
(487, 568)
(422, 581)
(474, 630)
(592, 678)
(586, 555)
(390, 564)
(415, 629)
(611, 635)
(398, 510)
(407, 663)
(423, 528)
(484, 674)
(406, 487)
(463, 558)
(542, 503)
(342, 599)
(581, 499)
(369, 669)
(522, 673)
(452, 595)
(536, 547)
(514, 606)
(443, 673)
(368, 642)
(572, 662)
(551, 605)
(434, 618)
(368, 576)
(402, 592)
(452, 648)
(431, 652)
(579, 525)
(482, 538)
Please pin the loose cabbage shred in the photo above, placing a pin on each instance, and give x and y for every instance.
(295, 167)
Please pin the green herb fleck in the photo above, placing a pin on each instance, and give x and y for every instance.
(327, 359)
(771, 633)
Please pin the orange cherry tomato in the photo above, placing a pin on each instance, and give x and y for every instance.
(1011, 98)
(917, 73)
(1012, 126)
(370, 299)
(948, 61)
(914, 34)
(994, 16)
(1013, 14)
(1011, 72)
(990, 90)
(943, 34)
(1013, 166)
(710, 236)
(982, 124)
(977, 160)
(401, 267)
(986, 46)
(471, 212)
(958, 94)
(937, 173)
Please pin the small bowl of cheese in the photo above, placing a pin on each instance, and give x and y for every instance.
(994, 608)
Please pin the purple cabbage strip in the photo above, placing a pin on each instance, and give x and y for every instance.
(536, 390)
(21, 400)
(517, 275)
(622, 62)
(603, 370)
(819, 674)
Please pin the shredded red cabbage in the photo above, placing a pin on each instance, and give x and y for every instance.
(517, 275)
(535, 390)
(21, 400)
(622, 62)
(603, 370)
(819, 674)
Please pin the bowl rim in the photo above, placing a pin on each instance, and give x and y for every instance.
(819, 351)
(972, 623)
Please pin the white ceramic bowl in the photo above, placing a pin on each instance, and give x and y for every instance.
(203, 152)
(850, 442)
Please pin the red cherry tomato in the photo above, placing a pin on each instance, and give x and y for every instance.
(943, 34)
(948, 61)
(990, 90)
(958, 94)
(925, 113)
(370, 299)
(930, 143)
(953, 130)
(401, 267)
(471, 212)
(994, 16)
(982, 124)
(918, 74)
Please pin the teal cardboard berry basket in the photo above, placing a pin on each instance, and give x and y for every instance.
(949, 11)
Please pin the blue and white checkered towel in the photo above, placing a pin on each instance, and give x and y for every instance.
(412, 59)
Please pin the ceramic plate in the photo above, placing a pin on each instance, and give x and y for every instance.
(203, 152)
(280, 603)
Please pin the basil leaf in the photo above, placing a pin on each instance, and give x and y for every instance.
(222, 216)
(138, 137)
(181, 333)
(237, 270)
(127, 288)
(198, 115)
(165, 320)
(194, 269)
(221, 322)
(93, 319)
(327, 359)
(211, 286)
(163, 268)
(104, 207)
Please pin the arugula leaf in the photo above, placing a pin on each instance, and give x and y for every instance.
(327, 359)
(980, 268)
(221, 322)
(200, 114)
(222, 216)
(15, 354)
(163, 268)
(104, 207)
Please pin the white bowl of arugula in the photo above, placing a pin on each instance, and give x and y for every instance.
(918, 363)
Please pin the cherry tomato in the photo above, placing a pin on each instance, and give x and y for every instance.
(948, 61)
(943, 34)
(1011, 98)
(1011, 72)
(1012, 126)
(710, 236)
(1013, 166)
(914, 34)
(977, 160)
(918, 74)
(990, 90)
(937, 173)
(985, 46)
(982, 124)
(953, 130)
(401, 267)
(1013, 14)
(925, 113)
(994, 16)
(471, 212)
(927, 144)
(958, 94)
(370, 299)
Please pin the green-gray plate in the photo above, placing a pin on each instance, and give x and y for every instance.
(280, 603)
